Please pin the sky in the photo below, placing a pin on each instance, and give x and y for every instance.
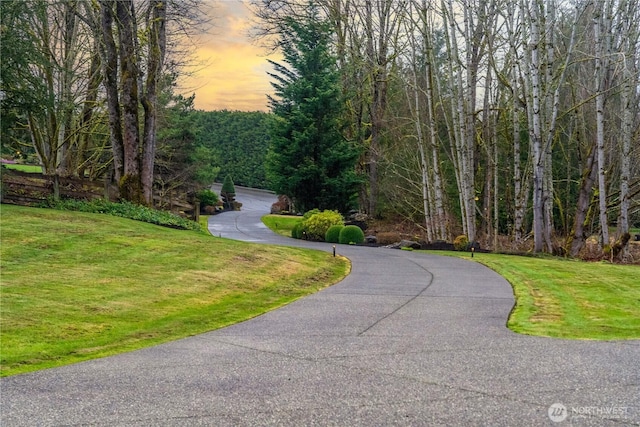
(232, 71)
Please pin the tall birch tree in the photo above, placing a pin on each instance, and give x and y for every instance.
(601, 31)
(545, 80)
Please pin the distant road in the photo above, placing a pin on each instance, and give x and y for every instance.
(252, 199)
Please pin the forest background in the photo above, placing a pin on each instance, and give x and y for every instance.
(487, 118)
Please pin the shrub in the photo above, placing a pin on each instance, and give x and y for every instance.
(317, 224)
(333, 234)
(228, 193)
(296, 231)
(126, 210)
(388, 237)
(227, 186)
(207, 197)
(351, 234)
(309, 214)
(461, 243)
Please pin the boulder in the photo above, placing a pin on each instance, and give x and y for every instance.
(282, 205)
(409, 244)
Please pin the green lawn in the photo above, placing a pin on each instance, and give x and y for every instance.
(564, 298)
(76, 286)
(281, 224)
(24, 168)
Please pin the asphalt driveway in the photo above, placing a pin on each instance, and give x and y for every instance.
(406, 339)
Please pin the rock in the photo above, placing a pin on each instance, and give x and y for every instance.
(409, 244)
(282, 205)
(372, 240)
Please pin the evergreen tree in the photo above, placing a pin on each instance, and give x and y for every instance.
(309, 160)
(182, 162)
(228, 193)
(239, 140)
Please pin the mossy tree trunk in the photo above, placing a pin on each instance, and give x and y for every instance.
(134, 144)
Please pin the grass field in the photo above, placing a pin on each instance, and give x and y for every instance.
(564, 298)
(281, 224)
(77, 286)
(24, 168)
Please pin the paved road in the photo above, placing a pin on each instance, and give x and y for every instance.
(406, 339)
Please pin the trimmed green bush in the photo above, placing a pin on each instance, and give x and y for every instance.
(316, 225)
(228, 193)
(333, 234)
(296, 231)
(227, 186)
(351, 235)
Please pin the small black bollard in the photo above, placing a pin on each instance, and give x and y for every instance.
(473, 250)
(334, 250)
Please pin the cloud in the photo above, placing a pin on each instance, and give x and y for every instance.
(233, 75)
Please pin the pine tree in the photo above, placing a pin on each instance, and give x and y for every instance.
(309, 160)
(228, 193)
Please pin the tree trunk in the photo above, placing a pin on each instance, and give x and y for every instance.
(157, 47)
(440, 216)
(424, 165)
(520, 192)
(599, 97)
(496, 212)
(91, 96)
(69, 51)
(376, 57)
(487, 142)
(459, 123)
(549, 115)
(630, 76)
(578, 237)
(109, 55)
(130, 184)
(535, 133)
(541, 112)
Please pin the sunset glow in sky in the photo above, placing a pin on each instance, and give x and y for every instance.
(234, 71)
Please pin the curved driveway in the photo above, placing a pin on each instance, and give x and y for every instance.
(406, 339)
